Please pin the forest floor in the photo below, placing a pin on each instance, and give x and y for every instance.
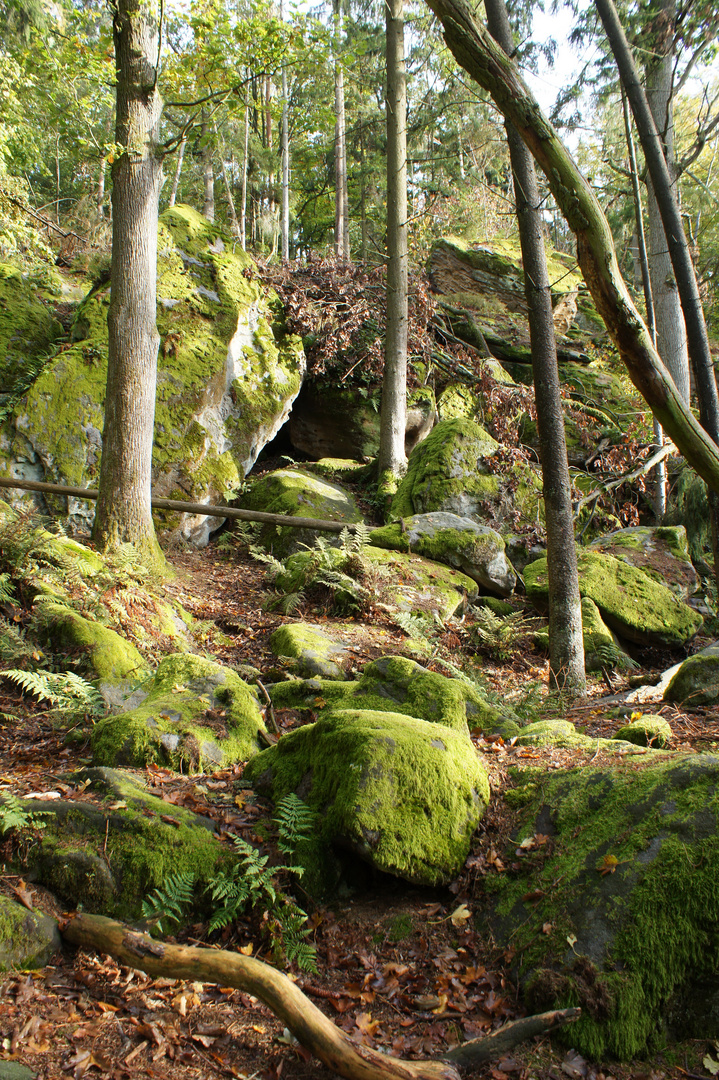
(402, 969)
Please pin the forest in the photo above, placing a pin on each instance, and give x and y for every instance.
(359, 534)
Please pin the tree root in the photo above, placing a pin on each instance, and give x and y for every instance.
(311, 1028)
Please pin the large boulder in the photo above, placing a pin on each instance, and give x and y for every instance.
(108, 851)
(27, 328)
(633, 931)
(476, 550)
(228, 374)
(450, 471)
(397, 792)
(398, 684)
(295, 492)
(661, 552)
(632, 604)
(196, 715)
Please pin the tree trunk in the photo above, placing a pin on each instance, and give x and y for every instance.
(208, 175)
(100, 195)
(671, 339)
(392, 460)
(489, 66)
(285, 151)
(178, 170)
(123, 508)
(342, 237)
(566, 644)
(245, 155)
(228, 189)
(660, 477)
(311, 1028)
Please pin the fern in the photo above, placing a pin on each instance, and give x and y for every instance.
(13, 645)
(6, 589)
(612, 657)
(249, 883)
(416, 627)
(353, 542)
(295, 823)
(289, 932)
(171, 902)
(275, 566)
(14, 816)
(498, 634)
(65, 690)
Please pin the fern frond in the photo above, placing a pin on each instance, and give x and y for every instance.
(415, 627)
(14, 816)
(171, 901)
(6, 589)
(66, 690)
(295, 823)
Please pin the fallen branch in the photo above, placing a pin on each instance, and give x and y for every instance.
(626, 478)
(308, 1024)
(187, 507)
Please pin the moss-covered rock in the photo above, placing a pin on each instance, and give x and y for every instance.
(317, 654)
(227, 376)
(27, 327)
(400, 685)
(646, 730)
(636, 918)
(476, 550)
(449, 472)
(109, 856)
(28, 939)
(633, 604)
(601, 647)
(197, 715)
(398, 792)
(661, 552)
(403, 582)
(295, 492)
(107, 656)
(697, 680)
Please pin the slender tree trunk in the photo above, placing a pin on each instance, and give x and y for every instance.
(208, 175)
(342, 239)
(392, 460)
(100, 194)
(660, 475)
(285, 151)
(664, 191)
(489, 66)
(671, 330)
(178, 170)
(123, 508)
(566, 644)
(363, 198)
(245, 155)
(228, 187)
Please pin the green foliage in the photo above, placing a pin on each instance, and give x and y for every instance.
(67, 691)
(169, 903)
(613, 658)
(14, 817)
(499, 635)
(295, 823)
(416, 627)
(341, 572)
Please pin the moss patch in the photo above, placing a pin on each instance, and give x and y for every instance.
(394, 790)
(197, 715)
(633, 604)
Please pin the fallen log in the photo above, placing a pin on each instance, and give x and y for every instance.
(308, 1024)
(203, 509)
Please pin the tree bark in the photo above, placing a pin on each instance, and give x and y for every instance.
(285, 152)
(566, 644)
(342, 236)
(307, 1023)
(490, 67)
(123, 508)
(178, 170)
(208, 175)
(245, 156)
(235, 225)
(392, 460)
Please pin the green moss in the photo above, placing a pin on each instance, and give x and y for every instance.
(27, 328)
(177, 724)
(109, 657)
(294, 492)
(648, 924)
(633, 604)
(27, 938)
(308, 644)
(646, 730)
(388, 786)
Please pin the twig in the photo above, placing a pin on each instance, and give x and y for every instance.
(645, 467)
(270, 710)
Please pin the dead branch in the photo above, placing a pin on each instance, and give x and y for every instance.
(311, 1028)
(627, 478)
(187, 507)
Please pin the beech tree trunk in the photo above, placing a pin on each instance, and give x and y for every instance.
(566, 643)
(245, 156)
(489, 66)
(342, 236)
(178, 170)
(123, 508)
(307, 1023)
(285, 153)
(208, 176)
(392, 460)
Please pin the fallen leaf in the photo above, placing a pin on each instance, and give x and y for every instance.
(608, 865)
(460, 915)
